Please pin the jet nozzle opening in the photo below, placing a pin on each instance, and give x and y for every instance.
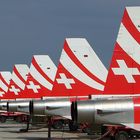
(90, 96)
(74, 111)
(31, 107)
(7, 106)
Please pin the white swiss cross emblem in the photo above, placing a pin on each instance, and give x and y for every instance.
(66, 81)
(125, 71)
(33, 87)
(15, 90)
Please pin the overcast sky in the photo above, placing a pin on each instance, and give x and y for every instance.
(29, 27)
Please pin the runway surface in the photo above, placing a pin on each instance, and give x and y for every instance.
(11, 132)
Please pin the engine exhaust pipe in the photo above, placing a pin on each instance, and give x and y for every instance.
(114, 111)
(74, 111)
(58, 107)
(4, 105)
(19, 106)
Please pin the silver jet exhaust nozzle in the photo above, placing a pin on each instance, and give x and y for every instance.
(4, 105)
(114, 111)
(19, 106)
(58, 107)
(83, 111)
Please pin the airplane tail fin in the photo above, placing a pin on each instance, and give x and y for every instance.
(80, 71)
(41, 77)
(124, 71)
(5, 77)
(17, 82)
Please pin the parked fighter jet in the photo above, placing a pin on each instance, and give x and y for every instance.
(123, 79)
(15, 84)
(5, 77)
(37, 83)
(77, 77)
(75, 70)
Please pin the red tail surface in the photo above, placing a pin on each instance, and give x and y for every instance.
(40, 79)
(5, 78)
(17, 82)
(124, 72)
(80, 71)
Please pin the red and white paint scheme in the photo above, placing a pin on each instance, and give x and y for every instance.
(40, 79)
(80, 71)
(5, 77)
(124, 72)
(17, 82)
(122, 81)
(36, 82)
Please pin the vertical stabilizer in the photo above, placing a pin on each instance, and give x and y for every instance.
(17, 82)
(41, 77)
(80, 71)
(5, 77)
(124, 72)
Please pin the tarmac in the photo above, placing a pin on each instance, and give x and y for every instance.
(10, 131)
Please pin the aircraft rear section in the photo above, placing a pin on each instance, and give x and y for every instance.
(116, 114)
(19, 106)
(102, 111)
(39, 107)
(116, 110)
(59, 107)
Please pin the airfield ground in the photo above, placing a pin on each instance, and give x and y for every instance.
(10, 131)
